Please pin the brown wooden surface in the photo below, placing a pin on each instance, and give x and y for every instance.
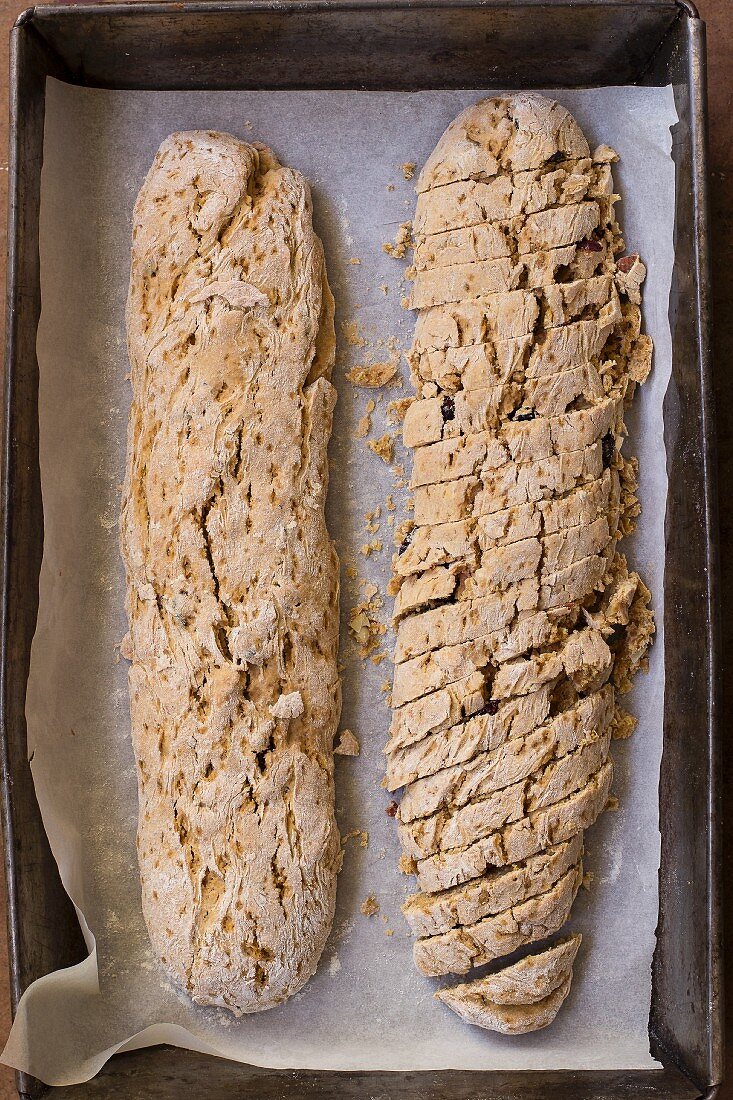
(719, 17)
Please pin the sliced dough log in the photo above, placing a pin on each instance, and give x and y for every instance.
(520, 998)
(460, 826)
(509, 761)
(539, 830)
(509, 588)
(457, 951)
(433, 914)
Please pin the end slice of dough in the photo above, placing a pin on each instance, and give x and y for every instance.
(520, 998)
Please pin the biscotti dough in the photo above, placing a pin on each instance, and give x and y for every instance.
(232, 579)
(518, 621)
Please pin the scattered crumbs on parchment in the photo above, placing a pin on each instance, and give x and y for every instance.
(348, 744)
(351, 572)
(354, 260)
(391, 810)
(352, 335)
(373, 375)
(613, 803)
(356, 834)
(377, 658)
(405, 302)
(390, 521)
(390, 187)
(389, 931)
(383, 447)
(408, 169)
(623, 725)
(334, 965)
(369, 906)
(386, 686)
(384, 288)
(407, 865)
(370, 589)
(587, 880)
(391, 506)
(397, 249)
(396, 410)
(248, 125)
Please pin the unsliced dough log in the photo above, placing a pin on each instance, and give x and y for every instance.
(517, 617)
(232, 580)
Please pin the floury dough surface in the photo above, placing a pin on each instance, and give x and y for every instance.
(99, 145)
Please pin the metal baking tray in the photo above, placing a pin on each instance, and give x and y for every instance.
(392, 44)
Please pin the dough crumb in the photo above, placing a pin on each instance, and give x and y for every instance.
(383, 447)
(390, 187)
(354, 260)
(373, 375)
(370, 906)
(356, 834)
(408, 169)
(372, 547)
(288, 706)
(384, 288)
(407, 865)
(403, 240)
(365, 626)
(348, 744)
(364, 426)
(604, 154)
(587, 881)
(352, 335)
(623, 725)
(613, 803)
(397, 410)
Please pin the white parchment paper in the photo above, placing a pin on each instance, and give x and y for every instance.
(367, 1007)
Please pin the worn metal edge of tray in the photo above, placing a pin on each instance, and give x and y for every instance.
(703, 312)
(697, 91)
(67, 10)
